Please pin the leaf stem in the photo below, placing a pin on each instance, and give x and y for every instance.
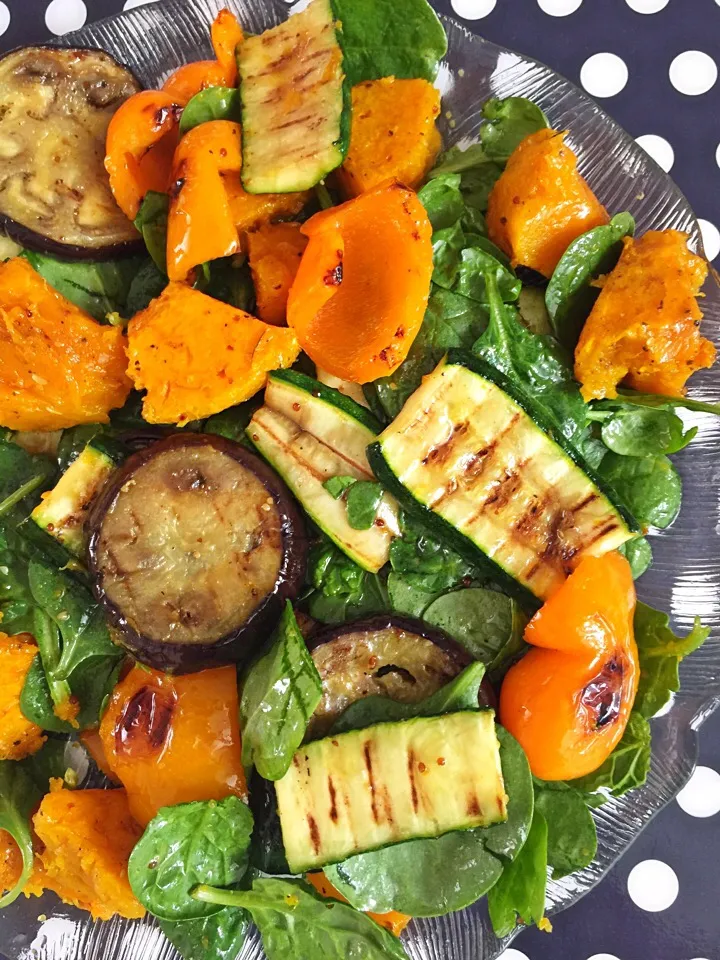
(22, 491)
(47, 637)
(227, 898)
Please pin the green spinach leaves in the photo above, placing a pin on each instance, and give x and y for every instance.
(18, 797)
(342, 590)
(362, 499)
(213, 103)
(280, 694)
(519, 894)
(507, 123)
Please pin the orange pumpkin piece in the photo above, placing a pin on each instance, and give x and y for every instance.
(393, 134)
(360, 294)
(540, 203)
(643, 328)
(87, 837)
(19, 737)
(58, 367)
(226, 33)
(274, 252)
(139, 147)
(394, 922)
(11, 863)
(569, 699)
(174, 739)
(196, 356)
(200, 221)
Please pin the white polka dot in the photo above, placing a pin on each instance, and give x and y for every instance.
(559, 8)
(131, 4)
(603, 956)
(648, 6)
(512, 954)
(4, 17)
(711, 238)
(473, 9)
(659, 149)
(64, 15)
(700, 797)
(693, 72)
(604, 75)
(653, 885)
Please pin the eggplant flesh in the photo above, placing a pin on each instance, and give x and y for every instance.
(195, 545)
(55, 107)
(389, 656)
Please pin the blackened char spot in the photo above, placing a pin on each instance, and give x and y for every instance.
(367, 750)
(333, 800)
(144, 725)
(411, 777)
(603, 695)
(473, 806)
(314, 833)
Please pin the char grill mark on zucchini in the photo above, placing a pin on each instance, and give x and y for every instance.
(309, 433)
(295, 105)
(468, 454)
(55, 106)
(389, 783)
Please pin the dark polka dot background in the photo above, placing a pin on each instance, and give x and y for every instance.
(653, 65)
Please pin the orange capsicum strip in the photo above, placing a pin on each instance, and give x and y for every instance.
(569, 699)
(362, 287)
(226, 33)
(201, 225)
(191, 78)
(139, 147)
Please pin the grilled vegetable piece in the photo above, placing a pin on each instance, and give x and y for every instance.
(644, 326)
(387, 656)
(274, 252)
(295, 103)
(391, 782)
(196, 356)
(310, 433)
(360, 294)
(540, 203)
(19, 737)
(63, 511)
(194, 548)
(470, 454)
(55, 106)
(87, 837)
(174, 739)
(393, 134)
(58, 367)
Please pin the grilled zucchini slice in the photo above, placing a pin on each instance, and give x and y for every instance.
(295, 103)
(470, 455)
(309, 432)
(378, 786)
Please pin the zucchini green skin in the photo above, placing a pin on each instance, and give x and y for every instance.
(114, 449)
(329, 395)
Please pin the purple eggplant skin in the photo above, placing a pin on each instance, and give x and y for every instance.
(32, 239)
(241, 644)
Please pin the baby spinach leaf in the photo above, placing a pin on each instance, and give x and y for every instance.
(405, 597)
(424, 562)
(19, 796)
(201, 842)
(482, 621)
(148, 283)
(660, 652)
(474, 265)
(657, 400)
(537, 363)
(22, 478)
(519, 894)
(98, 287)
(570, 295)
(638, 554)
(627, 766)
(478, 173)
(403, 39)
(343, 590)
(267, 851)
(295, 922)
(533, 312)
(572, 836)
(214, 103)
(280, 694)
(151, 221)
(90, 683)
(336, 486)
(507, 123)
(427, 878)
(228, 279)
(219, 937)
(231, 423)
(645, 431)
(650, 487)
(443, 201)
(362, 500)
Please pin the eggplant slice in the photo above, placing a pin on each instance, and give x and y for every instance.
(55, 107)
(389, 656)
(195, 545)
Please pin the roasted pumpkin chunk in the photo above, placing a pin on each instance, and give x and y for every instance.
(393, 134)
(87, 837)
(11, 862)
(19, 737)
(274, 252)
(644, 327)
(174, 739)
(58, 367)
(196, 356)
(540, 203)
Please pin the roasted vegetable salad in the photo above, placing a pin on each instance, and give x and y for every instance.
(330, 455)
